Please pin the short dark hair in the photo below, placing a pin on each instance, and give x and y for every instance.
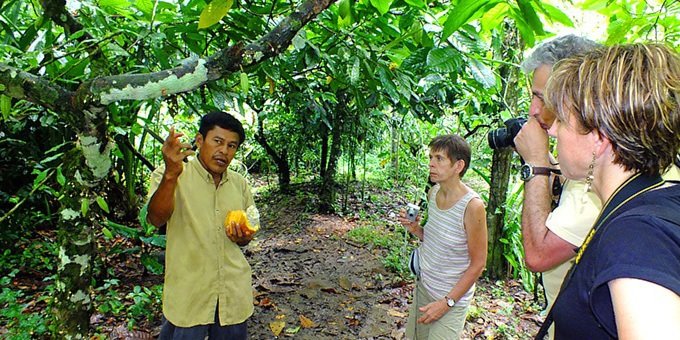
(456, 148)
(223, 120)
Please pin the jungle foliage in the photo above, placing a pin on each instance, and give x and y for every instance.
(332, 92)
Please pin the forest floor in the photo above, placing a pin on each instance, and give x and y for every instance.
(311, 281)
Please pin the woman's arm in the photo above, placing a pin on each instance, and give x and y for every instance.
(644, 310)
(475, 228)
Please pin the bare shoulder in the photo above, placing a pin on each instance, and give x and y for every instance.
(476, 206)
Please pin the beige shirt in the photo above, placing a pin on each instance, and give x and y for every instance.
(202, 265)
(571, 221)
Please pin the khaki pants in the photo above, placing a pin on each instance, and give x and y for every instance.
(448, 327)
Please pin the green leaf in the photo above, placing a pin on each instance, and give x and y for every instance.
(462, 13)
(617, 30)
(41, 176)
(51, 158)
(117, 6)
(531, 17)
(5, 105)
(151, 264)
(102, 204)
(556, 14)
(482, 73)
(245, 83)
(107, 233)
(524, 30)
(120, 229)
(60, 177)
(146, 7)
(382, 5)
(387, 84)
(344, 8)
(292, 330)
(344, 13)
(156, 240)
(442, 60)
(354, 72)
(594, 5)
(214, 12)
(494, 16)
(84, 206)
(416, 3)
(299, 40)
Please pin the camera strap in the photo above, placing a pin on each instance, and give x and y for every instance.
(631, 188)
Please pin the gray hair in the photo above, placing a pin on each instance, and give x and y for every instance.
(550, 52)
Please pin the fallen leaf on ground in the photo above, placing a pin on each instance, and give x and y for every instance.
(277, 327)
(397, 313)
(306, 323)
(345, 283)
(266, 302)
(292, 330)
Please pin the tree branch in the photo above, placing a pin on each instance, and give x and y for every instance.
(192, 74)
(23, 85)
(56, 11)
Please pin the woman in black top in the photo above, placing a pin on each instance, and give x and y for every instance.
(618, 128)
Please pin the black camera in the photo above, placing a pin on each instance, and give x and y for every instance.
(505, 137)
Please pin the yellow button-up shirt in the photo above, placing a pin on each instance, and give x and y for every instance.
(203, 266)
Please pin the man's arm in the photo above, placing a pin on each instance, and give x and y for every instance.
(476, 231)
(162, 203)
(543, 249)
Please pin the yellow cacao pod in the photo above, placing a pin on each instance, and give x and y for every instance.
(240, 218)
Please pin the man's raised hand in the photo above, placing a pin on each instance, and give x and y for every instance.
(174, 152)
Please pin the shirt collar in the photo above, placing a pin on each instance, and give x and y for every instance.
(196, 163)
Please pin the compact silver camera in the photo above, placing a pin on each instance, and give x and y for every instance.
(412, 211)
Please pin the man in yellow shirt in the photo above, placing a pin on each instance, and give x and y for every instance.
(208, 288)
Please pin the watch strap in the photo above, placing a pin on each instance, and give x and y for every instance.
(529, 171)
(540, 170)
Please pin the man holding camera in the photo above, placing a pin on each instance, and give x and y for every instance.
(550, 237)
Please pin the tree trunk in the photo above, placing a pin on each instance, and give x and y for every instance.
(324, 151)
(88, 164)
(395, 151)
(496, 265)
(281, 161)
(327, 192)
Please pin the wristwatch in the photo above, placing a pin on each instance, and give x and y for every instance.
(528, 171)
(450, 302)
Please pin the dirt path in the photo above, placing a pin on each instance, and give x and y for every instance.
(308, 271)
(305, 271)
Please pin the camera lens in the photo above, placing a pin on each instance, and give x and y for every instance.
(505, 137)
(498, 138)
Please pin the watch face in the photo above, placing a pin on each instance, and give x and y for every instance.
(525, 172)
(450, 302)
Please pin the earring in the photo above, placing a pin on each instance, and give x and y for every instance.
(590, 177)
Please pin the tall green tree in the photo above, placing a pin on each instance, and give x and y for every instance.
(86, 105)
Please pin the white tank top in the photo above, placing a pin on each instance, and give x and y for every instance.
(444, 252)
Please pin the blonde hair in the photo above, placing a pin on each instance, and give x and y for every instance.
(630, 94)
